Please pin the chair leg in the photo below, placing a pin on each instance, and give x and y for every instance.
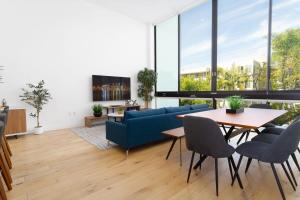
(200, 164)
(298, 149)
(190, 169)
(7, 145)
(295, 160)
(216, 176)
(240, 139)
(2, 191)
(291, 171)
(230, 168)
(236, 173)
(5, 171)
(247, 135)
(288, 176)
(248, 165)
(278, 181)
(237, 169)
(6, 152)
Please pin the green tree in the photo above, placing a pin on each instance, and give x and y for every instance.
(286, 60)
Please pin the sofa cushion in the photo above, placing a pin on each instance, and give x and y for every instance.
(177, 109)
(135, 114)
(198, 106)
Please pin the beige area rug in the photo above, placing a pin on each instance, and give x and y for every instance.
(95, 135)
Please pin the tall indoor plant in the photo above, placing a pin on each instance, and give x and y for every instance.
(36, 96)
(146, 79)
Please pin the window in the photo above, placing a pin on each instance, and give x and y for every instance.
(227, 47)
(167, 55)
(242, 44)
(285, 71)
(195, 46)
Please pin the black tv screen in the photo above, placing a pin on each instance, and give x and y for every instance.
(111, 88)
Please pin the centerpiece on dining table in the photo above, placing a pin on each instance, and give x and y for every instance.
(236, 105)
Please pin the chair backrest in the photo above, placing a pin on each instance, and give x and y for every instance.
(204, 136)
(285, 144)
(3, 117)
(1, 128)
(262, 106)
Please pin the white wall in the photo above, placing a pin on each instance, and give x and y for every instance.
(64, 42)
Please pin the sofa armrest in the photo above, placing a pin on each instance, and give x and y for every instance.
(116, 132)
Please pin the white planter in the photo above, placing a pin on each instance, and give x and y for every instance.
(38, 130)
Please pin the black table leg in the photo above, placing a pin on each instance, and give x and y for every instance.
(224, 128)
(198, 164)
(227, 136)
(257, 131)
(171, 148)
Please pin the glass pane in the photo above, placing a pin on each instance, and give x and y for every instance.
(167, 55)
(195, 34)
(242, 44)
(166, 102)
(285, 72)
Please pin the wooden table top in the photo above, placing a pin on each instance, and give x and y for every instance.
(176, 132)
(250, 118)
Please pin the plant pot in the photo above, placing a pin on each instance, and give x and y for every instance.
(97, 114)
(235, 111)
(38, 130)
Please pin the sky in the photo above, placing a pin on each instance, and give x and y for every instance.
(242, 31)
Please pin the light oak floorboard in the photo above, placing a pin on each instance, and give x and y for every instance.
(61, 165)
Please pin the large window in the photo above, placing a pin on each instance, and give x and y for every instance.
(195, 38)
(285, 71)
(167, 55)
(224, 47)
(242, 44)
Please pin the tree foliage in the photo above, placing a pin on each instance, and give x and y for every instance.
(285, 74)
(36, 96)
(146, 79)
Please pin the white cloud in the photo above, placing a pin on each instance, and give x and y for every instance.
(284, 4)
(197, 48)
(200, 47)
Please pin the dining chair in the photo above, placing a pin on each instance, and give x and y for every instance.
(3, 141)
(204, 136)
(3, 163)
(271, 133)
(277, 152)
(270, 124)
(4, 117)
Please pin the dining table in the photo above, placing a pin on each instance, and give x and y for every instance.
(250, 119)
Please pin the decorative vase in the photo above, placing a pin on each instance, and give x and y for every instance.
(234, 111)
(97, 114)
(38, 130)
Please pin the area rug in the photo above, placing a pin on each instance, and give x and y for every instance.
(95, 135)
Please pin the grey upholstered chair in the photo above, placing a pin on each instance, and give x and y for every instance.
(270, 124)
(277, 152)
(269, 134)
(204, 136)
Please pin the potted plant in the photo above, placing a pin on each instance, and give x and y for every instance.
(97, 109)
(36, 96)
(120, 110)
(236, 104)
(146, 79)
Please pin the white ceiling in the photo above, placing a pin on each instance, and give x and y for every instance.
(148, 11)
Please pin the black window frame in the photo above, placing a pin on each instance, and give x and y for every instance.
(214, 93)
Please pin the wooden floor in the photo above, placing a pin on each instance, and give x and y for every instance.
(62, 166)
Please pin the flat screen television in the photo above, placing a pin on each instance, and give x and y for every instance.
(111, 88)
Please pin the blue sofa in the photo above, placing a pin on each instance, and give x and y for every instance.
(143, 127)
